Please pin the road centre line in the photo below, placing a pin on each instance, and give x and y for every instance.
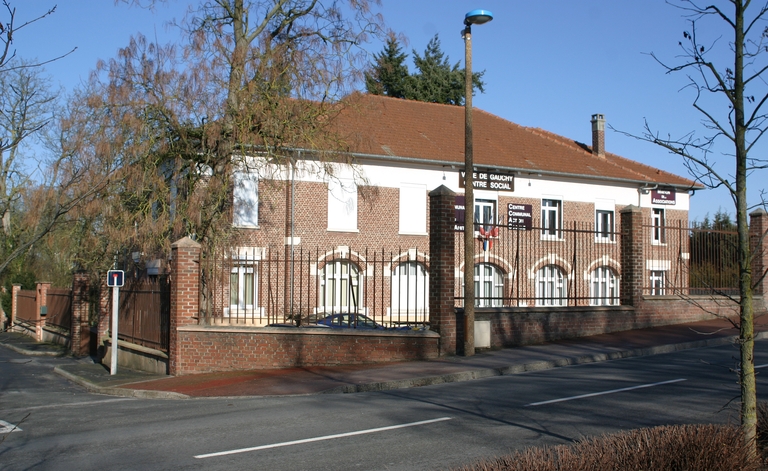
(68, 404)
(602, 393)
(317, 439)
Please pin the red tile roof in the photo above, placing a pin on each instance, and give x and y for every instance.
(383, 127)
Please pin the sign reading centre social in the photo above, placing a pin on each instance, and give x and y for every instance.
(490, 181)
(663, 196)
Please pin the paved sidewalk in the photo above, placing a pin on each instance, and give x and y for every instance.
(380, 377)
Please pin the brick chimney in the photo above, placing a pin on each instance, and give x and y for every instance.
(598, 135)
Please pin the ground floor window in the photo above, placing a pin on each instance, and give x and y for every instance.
(658, 279)
(604, 287)
(410, 282)
(550, 287)
(340, 287)
(242, 287)
(489, 285)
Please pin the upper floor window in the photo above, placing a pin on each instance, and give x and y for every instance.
(551, 218)
(245, 200)
(413, 208)
(342, 205)
(657, 220)
(604, 230)
(485, 214)
(551, 289)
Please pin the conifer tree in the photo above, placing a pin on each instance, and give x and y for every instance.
(389, 74)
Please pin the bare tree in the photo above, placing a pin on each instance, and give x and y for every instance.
(727, 77)
(256, 79)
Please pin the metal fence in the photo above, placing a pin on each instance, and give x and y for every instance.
(254, 286)
(574, 265)
(26, 308)
(690, 261)
(59, 306)
(145, 313)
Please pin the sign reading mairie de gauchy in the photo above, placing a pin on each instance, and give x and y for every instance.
(490, 181)
(663, 196)
(519, 217)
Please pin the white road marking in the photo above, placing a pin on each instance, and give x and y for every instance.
(5, 427)
(601, 393)
(327, 437)
(68, 404)
(761, 366)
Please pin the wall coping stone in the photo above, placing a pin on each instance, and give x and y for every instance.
(300, 331)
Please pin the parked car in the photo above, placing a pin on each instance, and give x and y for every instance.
(347, 320)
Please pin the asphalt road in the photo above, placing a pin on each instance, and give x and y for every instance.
(436, 427)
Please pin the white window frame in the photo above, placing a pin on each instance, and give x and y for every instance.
(245, 200)
(413, 209)
(410, 289)
(342, 205)
(485, 214)
(658, 235)
(603, 287)
(551, 286)
(238, 294)
(604, 225)
(489, 285)
(343, 284)
(551, 218)
(658, 280)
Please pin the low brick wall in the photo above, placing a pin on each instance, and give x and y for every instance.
(511, 327)
(210, 348)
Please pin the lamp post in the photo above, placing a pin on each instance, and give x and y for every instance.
(475, 17)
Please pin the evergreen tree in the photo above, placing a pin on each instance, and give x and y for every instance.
(389, 74)
(436, 80)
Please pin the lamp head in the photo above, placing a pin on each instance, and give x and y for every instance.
(478, 17)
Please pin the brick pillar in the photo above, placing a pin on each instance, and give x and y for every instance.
(14, 305)
(758, 239)
(442, 267)
(632, 257)
(80, 330)
(41, 301)
(185, 296)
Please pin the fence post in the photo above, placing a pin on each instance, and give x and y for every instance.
(80, 288)
(14, 304)
(185, 296)
(758, 225)
(442, 267)
(632, 257)
(41, 300)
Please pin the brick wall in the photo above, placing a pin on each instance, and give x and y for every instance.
(208, 349)
(512, 327)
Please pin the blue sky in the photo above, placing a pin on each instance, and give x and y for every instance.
(549, 63)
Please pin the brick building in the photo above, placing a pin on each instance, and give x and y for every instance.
(547, 211)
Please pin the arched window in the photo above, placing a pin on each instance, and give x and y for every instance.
(604, 287)
(551, 289)
(410, 284)
(340, 287)
(489, 285)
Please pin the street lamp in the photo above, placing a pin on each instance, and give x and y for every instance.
(475, 17)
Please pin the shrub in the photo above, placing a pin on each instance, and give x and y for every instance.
(670, 447)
